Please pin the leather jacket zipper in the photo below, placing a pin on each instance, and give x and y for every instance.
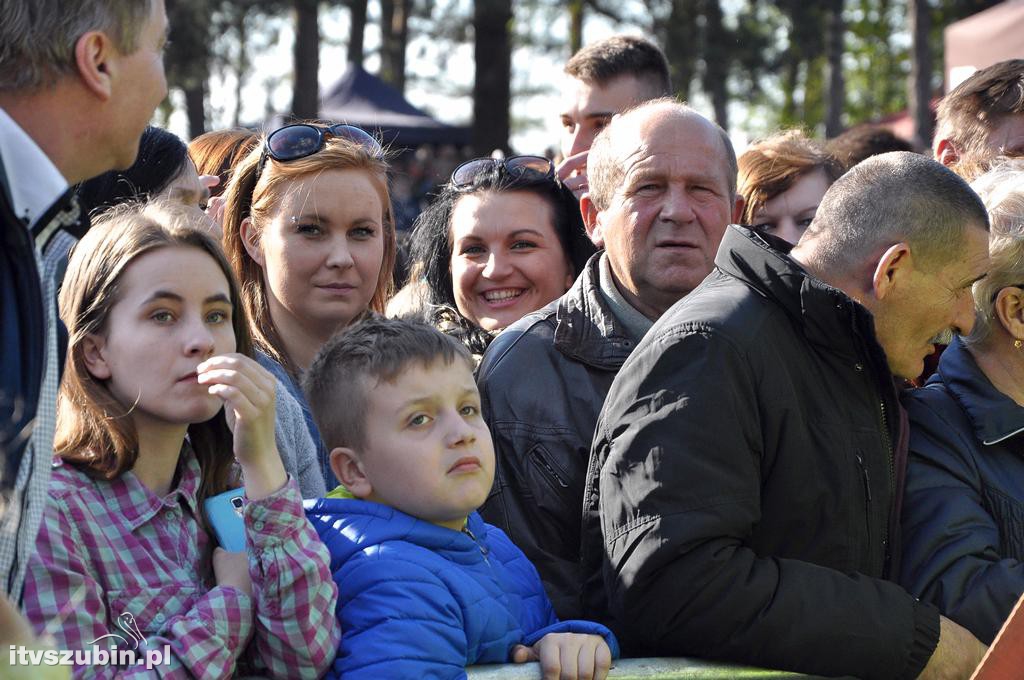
(890, 460)
(539, 458)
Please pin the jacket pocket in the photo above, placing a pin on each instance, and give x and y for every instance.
(1008, 513)
(549, 470)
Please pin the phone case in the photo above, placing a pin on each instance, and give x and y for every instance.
(224, 513)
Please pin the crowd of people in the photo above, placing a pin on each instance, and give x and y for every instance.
(651, 400)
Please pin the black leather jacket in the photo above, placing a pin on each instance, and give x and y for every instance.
(963, 515)
(737, 504)
(542, 382)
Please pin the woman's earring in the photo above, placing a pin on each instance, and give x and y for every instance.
(1017, 344)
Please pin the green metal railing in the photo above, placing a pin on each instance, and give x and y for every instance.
(643, 669)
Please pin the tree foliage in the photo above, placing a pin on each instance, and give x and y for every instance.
(753, 64)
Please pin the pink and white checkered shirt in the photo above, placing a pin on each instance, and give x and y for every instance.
(107, 549)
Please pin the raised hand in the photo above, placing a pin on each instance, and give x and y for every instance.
(248, 393)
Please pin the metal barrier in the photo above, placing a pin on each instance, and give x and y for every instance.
(642, 669)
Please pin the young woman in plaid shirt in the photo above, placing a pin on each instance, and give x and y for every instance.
(157, 367)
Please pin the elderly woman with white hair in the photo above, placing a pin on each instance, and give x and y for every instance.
(963, 510)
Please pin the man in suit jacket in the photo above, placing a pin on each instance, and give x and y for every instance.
(78, 83)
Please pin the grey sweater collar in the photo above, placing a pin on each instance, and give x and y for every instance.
(636, 323)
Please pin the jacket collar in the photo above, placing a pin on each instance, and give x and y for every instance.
(360, 525)
(586, 330)
(829, 317)
(994, 416)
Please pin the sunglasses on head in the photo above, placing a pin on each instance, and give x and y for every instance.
(300, 140)
(518, 169)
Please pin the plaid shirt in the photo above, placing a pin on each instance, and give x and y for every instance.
(111, 549)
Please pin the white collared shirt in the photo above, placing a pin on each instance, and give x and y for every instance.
(34, 180)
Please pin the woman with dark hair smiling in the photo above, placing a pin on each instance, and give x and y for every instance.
(502, 239)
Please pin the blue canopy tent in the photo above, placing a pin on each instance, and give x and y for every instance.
(362, 99)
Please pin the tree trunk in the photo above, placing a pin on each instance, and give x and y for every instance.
(195, 108)
(492, 51)
(394, 29)
(920, 90)
(681, 40)
(716, 59)
(305, 86)
(790, 80)
(241, 66)
(575, 25)
(836, 94)
(357, 21)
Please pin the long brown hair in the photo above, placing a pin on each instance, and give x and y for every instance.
(218, 152)
(247, 197)
(93, 430)
(773, 165)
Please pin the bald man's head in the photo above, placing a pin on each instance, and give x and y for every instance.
(633, 130)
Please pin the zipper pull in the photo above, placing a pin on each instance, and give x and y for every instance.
(480, 546)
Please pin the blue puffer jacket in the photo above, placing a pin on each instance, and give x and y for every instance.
(963, 512)
(417, 600)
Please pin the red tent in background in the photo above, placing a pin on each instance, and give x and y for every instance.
(983, 39)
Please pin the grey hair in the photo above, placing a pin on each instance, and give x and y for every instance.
(1002, 190)
(38, 37)
(605, 170)
(887, 199)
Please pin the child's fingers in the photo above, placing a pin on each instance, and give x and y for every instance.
(586, 660)
(523, 654)
(550, 657)
(569, 659)
(603, 660)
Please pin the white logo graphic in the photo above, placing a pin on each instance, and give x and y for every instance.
(125, 622)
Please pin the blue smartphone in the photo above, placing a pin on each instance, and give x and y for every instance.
(224, 513)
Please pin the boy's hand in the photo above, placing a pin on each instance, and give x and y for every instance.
(568, 656)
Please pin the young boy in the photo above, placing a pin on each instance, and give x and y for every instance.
(426, 587)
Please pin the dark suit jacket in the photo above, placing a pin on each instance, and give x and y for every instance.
(22, 334)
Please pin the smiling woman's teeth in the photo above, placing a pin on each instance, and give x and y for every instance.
(503, 294)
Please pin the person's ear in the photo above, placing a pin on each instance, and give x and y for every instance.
(94, 53)
(591, 220)
(946, 153)
(737, 209)
(895, 264)
(251, 240)
(1009, 308)
(349, 471)
(93, 350)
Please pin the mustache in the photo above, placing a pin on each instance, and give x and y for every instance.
(943, 337)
